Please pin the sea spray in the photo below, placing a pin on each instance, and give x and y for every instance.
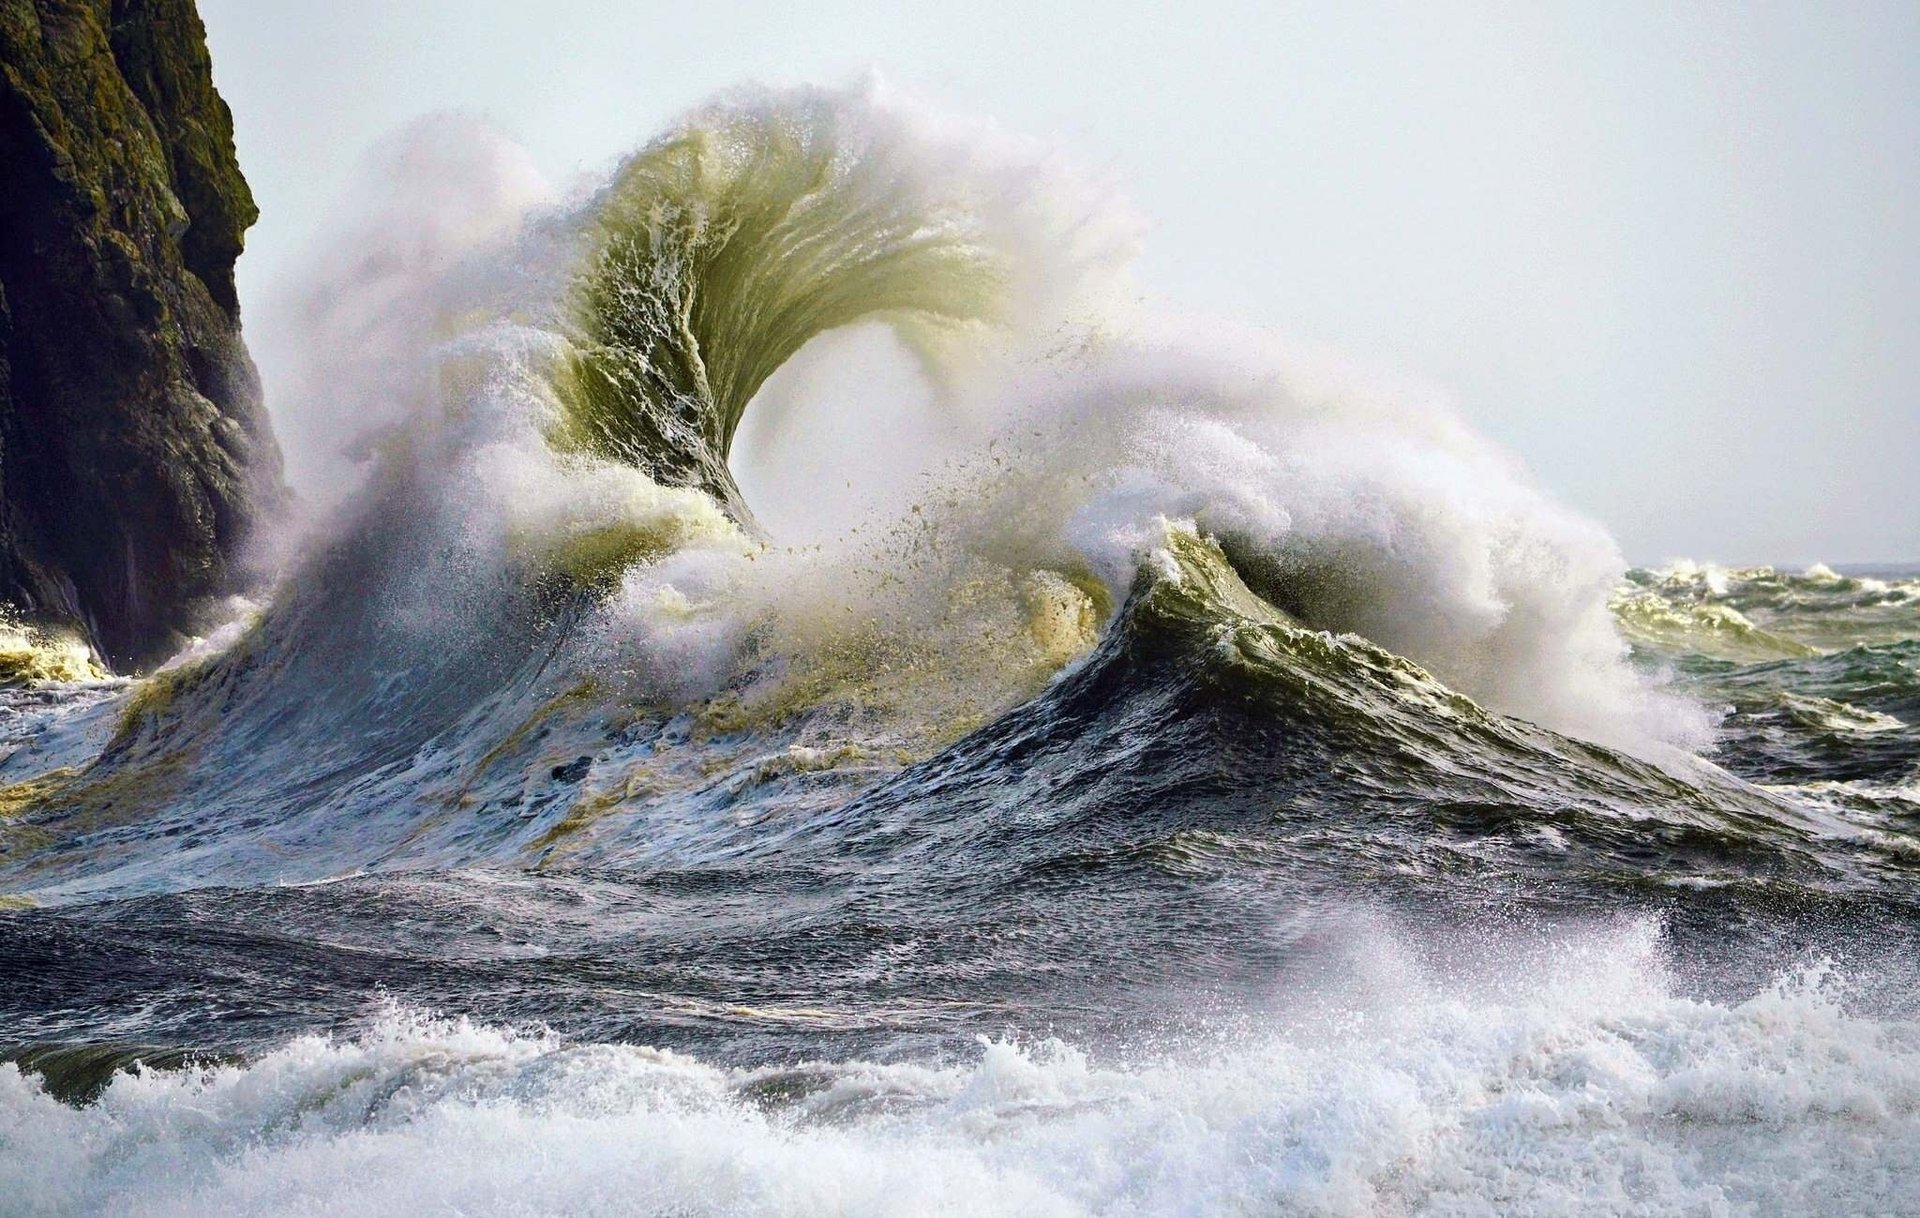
(548, 520)
(1190, 778)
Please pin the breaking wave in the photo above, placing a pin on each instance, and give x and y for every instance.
(982, 829)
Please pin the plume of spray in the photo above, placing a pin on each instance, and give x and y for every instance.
(1059, 426)
(1354, 505)
(351, 346)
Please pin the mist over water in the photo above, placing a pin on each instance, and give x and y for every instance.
(796, 691)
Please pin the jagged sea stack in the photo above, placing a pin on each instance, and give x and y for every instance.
(134, 453)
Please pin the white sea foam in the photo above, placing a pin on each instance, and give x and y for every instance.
(1574, 1080)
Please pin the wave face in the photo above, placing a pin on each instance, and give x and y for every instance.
(1214, 784)
(721, 250)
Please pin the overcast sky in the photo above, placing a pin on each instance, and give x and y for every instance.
(1668, 253)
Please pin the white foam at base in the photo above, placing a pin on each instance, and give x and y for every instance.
(1578, 1082)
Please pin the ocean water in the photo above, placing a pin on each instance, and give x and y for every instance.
(796, 693)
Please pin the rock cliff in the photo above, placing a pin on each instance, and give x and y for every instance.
(134, 454)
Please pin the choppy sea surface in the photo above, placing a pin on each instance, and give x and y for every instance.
(1206, 786)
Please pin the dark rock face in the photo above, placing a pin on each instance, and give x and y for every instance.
(134, 455)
